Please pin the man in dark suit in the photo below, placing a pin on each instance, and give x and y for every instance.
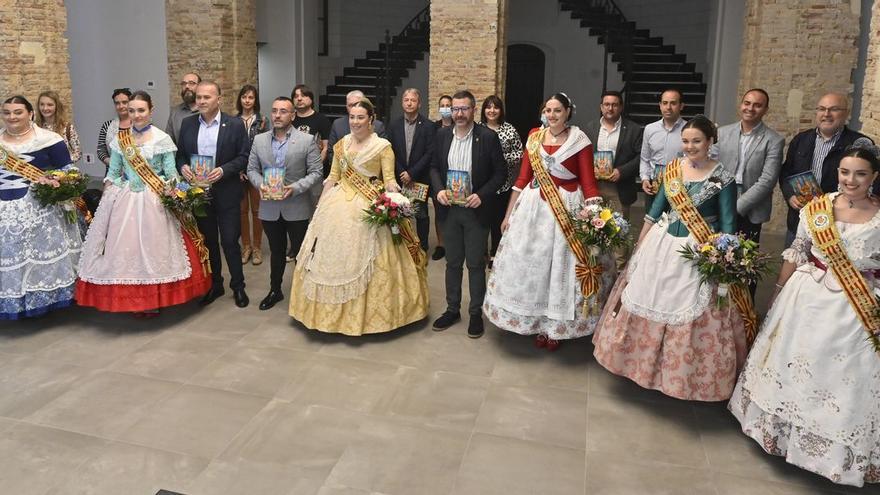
(612, 132)
(467, 170)
(412, 140)
(216, 134)
(818, 150)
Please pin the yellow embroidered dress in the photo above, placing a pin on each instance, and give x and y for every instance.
(350, 277)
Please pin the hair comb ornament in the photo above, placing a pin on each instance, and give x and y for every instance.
(866, 144)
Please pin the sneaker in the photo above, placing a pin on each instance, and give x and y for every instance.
(439, 253)
(446, 320)
(290, 256)
(475, 327)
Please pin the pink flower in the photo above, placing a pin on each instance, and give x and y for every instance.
(583, 214)
(597, 222)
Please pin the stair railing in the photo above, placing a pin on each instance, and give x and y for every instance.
(623, 48)
(419, 21)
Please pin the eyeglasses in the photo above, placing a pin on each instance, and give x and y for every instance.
(830, 109)
(460, 109)
(189, 83)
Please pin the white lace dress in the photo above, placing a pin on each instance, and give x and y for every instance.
(810, 389)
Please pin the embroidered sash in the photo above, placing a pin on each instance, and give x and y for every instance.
(587, 271)
(16, 165)
(676, 193)
(157, 185)
(826, 237)
(370, 192)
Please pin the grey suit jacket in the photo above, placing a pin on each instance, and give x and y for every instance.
(303, 170)
(762, 164)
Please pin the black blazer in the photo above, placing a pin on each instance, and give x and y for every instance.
(488, 168)
(799, 158)
(421, 153)
(233, 148)
(626, 157)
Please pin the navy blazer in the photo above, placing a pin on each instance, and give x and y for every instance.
(421, 153)
(799, 158)
(233, 148)
(488, 167)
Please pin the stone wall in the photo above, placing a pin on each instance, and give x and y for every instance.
(870, 115)
(34, 48)
(468, 48)
(215, 38)
(797, 51)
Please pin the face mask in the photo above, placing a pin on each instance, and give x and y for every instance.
(446, 112)
(544, 121)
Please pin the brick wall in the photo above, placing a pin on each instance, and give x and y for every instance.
(870, 115)
(34, 49)
(797, 51)
(468, 48)
(215, 38)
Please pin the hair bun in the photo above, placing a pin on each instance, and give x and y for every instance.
(864, 143)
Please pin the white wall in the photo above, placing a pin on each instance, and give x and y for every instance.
(418, 78)
(356, 27)
(727, 23)
(574, 59)
(683, 23)
(112, 45)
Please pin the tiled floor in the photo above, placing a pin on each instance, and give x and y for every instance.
(228, 401)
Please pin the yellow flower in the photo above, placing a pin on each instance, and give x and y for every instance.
(181, 194)
(605, 214)
(197, 190)
(706, 248)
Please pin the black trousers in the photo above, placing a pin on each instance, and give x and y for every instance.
(752, 231)
(223, 217)
(465, 238)
(277, 232)
(500, 208)
(423, 224)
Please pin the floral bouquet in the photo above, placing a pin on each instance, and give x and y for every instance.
(390, 209)
(61, 187)
(599, 228)
(727, 259)
(182, 197)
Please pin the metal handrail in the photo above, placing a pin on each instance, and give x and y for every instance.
(417, 22)
(623, 49)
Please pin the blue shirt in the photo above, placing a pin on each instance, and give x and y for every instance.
(207, 140)
(659, 146)
(279, 148)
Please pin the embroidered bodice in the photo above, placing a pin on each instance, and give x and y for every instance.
(573, 171)
(714, 197)
(861, 241)
(158, 152)
(380, 166)
(46, 151)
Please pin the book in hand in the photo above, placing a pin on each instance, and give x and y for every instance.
(415, 191)
(603, 164)
(458, 182)
(805, 186)
(657, 176)
(273, 182)
(201, 166)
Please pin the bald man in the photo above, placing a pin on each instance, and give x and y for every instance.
(818, 150)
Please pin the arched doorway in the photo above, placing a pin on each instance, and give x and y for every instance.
(525, 86)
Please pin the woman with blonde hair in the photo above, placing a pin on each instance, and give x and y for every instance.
(52, 116)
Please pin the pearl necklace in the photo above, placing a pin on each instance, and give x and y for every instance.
(19, 134)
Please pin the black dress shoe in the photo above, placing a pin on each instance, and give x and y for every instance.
(212, 294)
(241, 298)
(445, 321)
(439, 252)
(475, 327)
(274, 297)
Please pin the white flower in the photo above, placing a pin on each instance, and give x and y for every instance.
(398, 198)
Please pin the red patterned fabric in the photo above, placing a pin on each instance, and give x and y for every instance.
(145, 297)
(580, 164)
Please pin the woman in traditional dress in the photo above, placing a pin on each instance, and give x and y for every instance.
(53, 116)
(492, 116)
(248, 106)
(532, 289)
(39, 248)
(136, 257)
(662, 327)
(810, 390)
(350, 276)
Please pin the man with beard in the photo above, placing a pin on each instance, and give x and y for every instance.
(188, 107)
(296, 154)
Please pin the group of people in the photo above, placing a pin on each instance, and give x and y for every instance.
(807, 389)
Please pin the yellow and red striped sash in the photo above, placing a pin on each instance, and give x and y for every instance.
(676, 193)
(370, 192)
(587, 270)
(157, 185)
(16, 165)
(820, 222)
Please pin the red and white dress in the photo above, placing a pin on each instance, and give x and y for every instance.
(532, 288)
